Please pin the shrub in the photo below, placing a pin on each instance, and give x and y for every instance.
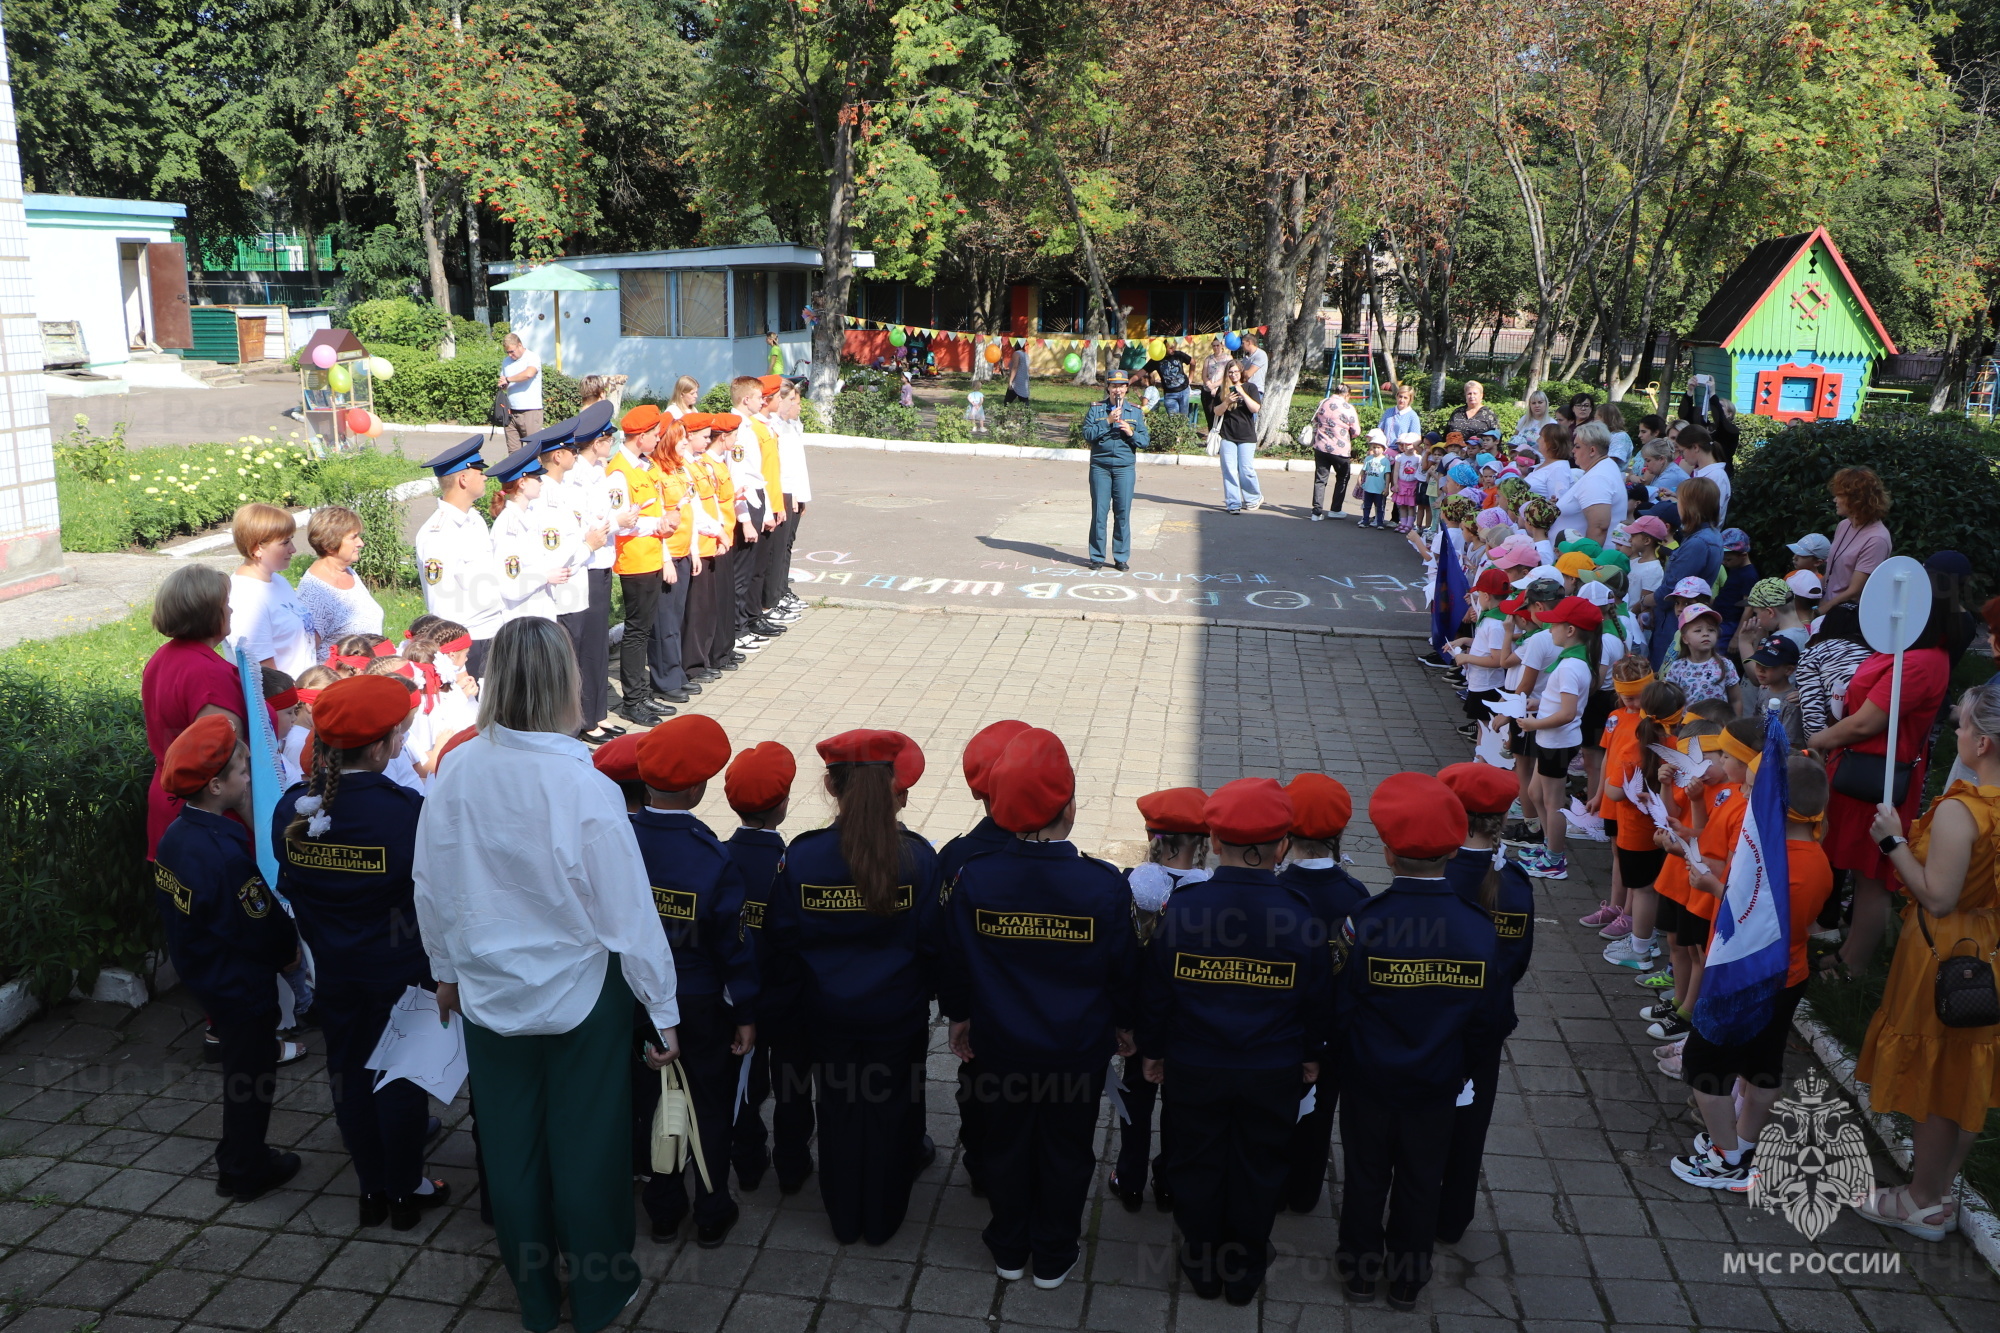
(716, 399)
(398, 319)
(74, 893)
(1943, 486)
(1173, 433)
(1013, 423)
(810, 419)
(951, 426)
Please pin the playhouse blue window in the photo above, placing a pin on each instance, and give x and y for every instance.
(1797, 395)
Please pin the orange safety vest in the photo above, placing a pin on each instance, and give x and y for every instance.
(637, 555)
(709, 481)
(767, 446)
(676, 490)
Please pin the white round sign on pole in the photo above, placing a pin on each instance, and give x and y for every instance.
(1895, 606)
(1895, 603)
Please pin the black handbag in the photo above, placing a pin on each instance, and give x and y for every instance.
(501, 413)
(1966, 995)
(1860, 776)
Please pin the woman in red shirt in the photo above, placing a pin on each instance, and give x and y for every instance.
(185, 678)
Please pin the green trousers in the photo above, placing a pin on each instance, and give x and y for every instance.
(555, 1131)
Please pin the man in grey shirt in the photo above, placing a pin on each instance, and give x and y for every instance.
(1017, 383)
(1255, 362)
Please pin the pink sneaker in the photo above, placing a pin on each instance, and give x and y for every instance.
(1617, 928)
(1603, 916)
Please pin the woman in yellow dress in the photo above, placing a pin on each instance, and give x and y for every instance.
(1944, 1079)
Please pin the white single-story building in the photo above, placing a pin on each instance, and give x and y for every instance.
(107, 266)
(702, 312)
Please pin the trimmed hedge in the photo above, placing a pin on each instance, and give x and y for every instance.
(426, 390)
(1943, 482)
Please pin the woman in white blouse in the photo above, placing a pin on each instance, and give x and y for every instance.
(536, 912)
(1529, 432)
(338, 601)
(265, 615)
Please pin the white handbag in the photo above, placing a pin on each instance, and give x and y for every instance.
(1215, 442)
(676, 1132)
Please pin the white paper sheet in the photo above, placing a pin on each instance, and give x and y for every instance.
(1464, 1095)
(1644, 801)
(417, 1047)
(1116, 1087)
(1309, 1101)
(742, 1084)
(1583, 824)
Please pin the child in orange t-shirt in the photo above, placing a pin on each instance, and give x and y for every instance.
(1638, 859)
(1706, 816)
(1629, 678)
(1735, 1086)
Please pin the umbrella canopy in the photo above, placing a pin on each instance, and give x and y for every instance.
(553, 278)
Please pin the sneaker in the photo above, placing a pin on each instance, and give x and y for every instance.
(1434, 659)
(1659, 982)
(1576, 768)
(1658, 1010)
(1669, 1026)
(1623, 953)
(1603, 916)
(1547, 866)
(1670, 1065)
(1010, 1274)
(1617, 928)
(1669, 1050)
(1318, 517)
(1702, 1143)
(1336, 514)
(1522, 833)
(1051, 1283)
(1708, 1171)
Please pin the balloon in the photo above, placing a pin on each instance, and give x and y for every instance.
(322, 356)
(374, 426)
(381, 367)
(1072, 363)
(1232, 341)
(1156, 349)
(340, 379)
(897, 338)
(358, 419)
(992, 355)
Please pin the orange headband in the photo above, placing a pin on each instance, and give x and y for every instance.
(1736, 749)
(1631, 689)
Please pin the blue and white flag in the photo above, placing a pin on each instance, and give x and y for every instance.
(267, 774)
(1751, 949)
(1450, 594)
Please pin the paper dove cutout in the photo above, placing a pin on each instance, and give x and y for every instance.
(417, 1047)
(1510, 705)
(1492, 748)
(1688, 768)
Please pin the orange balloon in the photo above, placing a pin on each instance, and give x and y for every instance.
(992, 355)
(358, 419)
(374, 426)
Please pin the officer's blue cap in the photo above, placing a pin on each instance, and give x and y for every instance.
(592, 423)
(460, 456)
(523, 462)
(552, 437)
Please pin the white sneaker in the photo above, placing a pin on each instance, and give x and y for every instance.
(1337, 513)
(1010, 1274)
(1317, 518)
(1624, 953)
(1051, 1283)
(751, 644)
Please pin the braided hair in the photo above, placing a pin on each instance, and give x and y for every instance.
(313, 812)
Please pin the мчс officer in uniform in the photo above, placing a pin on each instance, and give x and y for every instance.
(1038, 976)
(455, 560)
(1235, 995)
(1116, 432)
(1418, 965)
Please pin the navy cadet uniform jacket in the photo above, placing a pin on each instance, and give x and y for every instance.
(986, 836)
(699, 893)
(226, 933)
(352, 886)
(864, 976)
(1330, 890)
(759, 854)
(1419, 965)
(1235, 976)
(1039, 952)
(1513, 918)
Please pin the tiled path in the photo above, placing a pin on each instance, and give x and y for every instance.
(109, 1220)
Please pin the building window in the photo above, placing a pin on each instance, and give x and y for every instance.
(752, 301)
(794, 295)
(1061, 310)
(642, 302)
(701, 304)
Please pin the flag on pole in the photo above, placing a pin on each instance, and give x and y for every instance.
(1751, 948)
(1450, 594)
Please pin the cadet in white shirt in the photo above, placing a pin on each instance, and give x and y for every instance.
(535, 909)
(455, 559)
(796, 478)
(602, 506)
(532, 562)
(562, 506)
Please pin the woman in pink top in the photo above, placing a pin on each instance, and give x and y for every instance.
(185, 678)
(1862, 540)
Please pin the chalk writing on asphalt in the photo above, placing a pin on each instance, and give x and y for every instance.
(1382, 593)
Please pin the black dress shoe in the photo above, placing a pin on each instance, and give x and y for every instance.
(1132, 1199)
(1097, 564)
(406, 1210)
(770, 629)
(731, 663)
(1239, 1295)
(1360, 1290)
(1403, 1295)
(711, 1237)
(705, 674)
(1122, 566)
(794, 1186)
(691, 687)
(599, 736)
(748, 1181)
(639, 712)
(666, 1233)
(1208, 1290)
(374, 1209)
(279, 1167)
(673, 696)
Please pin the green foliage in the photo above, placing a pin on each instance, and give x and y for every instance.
(400, 320)
(426, 390)
(875, 415)
(74, 892)
(1013, 423)
(1943, 484)
(92, 457)
(1173, 433)
(382, 263)
(715, 400)
(951, 426)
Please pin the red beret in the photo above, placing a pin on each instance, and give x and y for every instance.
(862, 746)
(1175, 810)
(770, 383)
(760, 777)
(1494, 582)
(1031, 781)
(725, 421)
(1481, 788)
(360, 710)
(640, 419)
(683, 752)
(461, 738)
(694, 421)
(909, 764)
(1417, 817)
(986, 745)
(1321, 807)
(1247, 811)
(198, 754)
(616, 759)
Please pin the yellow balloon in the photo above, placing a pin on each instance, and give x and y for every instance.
(1156, 349)
(381, 367)
(340, 379)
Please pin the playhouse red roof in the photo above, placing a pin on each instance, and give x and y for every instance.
(1745, 290)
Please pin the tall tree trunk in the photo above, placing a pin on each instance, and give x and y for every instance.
(1579, 352)
(1643, 364)
(1384, 344)
(1666, 396)
(837, 263)
(475, 265)
(434, 253)
(1297, 249)
(1950, 371)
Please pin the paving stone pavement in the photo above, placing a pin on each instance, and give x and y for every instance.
(109, 1220)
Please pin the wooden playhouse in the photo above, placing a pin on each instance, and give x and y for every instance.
(1789, 334)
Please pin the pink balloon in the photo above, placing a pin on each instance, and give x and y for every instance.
(322, 356)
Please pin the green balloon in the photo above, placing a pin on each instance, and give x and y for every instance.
(340, 379)
(1072, 363)
(896, 338)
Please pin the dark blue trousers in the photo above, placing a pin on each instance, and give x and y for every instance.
(1111, 495)
(383, 1130)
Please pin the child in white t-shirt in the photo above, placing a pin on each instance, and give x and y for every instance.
(1574, 627)
(975, 411)
(1485, 655)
